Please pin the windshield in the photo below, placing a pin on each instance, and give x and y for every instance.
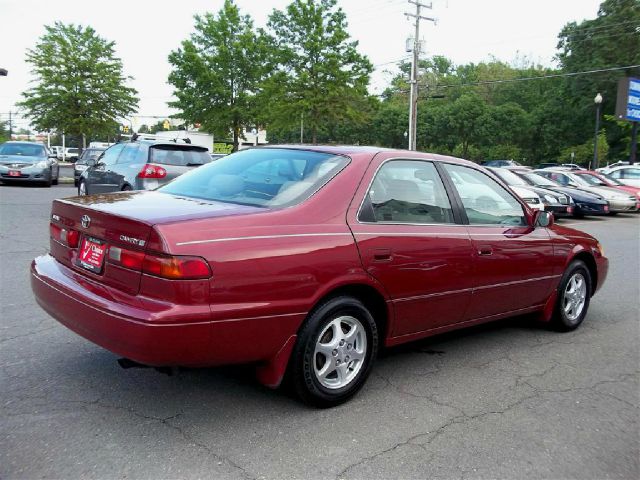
(591, 179)
(179, 156)
(509, 178)
(260, 177)
(23, 150)
(539, 180)
(612, 180)
(579, 180)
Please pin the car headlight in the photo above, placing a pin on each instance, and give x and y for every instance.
(42, 164)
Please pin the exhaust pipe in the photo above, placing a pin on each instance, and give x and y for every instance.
(127, 363)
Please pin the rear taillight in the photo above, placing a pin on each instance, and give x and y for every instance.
(171, 267)
(178, 268)
(68, 237)
(152, 171)
(126, 258)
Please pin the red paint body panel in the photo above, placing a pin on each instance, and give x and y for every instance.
(271, 267)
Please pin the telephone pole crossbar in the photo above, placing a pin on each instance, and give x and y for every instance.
(413, 97)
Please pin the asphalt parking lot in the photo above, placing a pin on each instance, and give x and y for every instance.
(505, 400)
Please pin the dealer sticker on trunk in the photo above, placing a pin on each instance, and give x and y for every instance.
(91, 254)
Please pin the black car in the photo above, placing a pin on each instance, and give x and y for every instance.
(584, 203)
(81, 165)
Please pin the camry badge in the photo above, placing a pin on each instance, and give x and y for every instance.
(85, 221)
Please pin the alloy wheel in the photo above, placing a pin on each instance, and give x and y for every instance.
(574, 298)
(340, 352)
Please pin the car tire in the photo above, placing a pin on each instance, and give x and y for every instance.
(47, 183)
(574, 295)
(55, 180)
(127, 188)
(82, 188)
(336, 348)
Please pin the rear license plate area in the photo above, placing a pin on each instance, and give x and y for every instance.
(91, 255)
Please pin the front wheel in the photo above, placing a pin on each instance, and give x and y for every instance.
(335, 351)
(574, 294)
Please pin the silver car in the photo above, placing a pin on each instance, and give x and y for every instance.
(28, 162)
(140, 165)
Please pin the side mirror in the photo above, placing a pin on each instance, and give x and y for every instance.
(542, 219)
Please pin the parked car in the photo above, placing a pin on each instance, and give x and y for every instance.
(583, 203)
(603, 180)
(548, 200)
(217, 156)
(548, 165)
(627, 174)
(71, 154)
(618, 202)
(311, 271)
(57, 151)
(88, 154)
(570, 166)
(28, 162)
(140, 165)
(500, 163)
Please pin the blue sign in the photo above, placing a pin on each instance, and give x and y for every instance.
(633, 100)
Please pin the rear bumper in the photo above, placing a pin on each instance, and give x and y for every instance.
(153, 332)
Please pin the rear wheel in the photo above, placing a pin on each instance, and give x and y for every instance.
(574, 294)
(334, 353)
(127, 188)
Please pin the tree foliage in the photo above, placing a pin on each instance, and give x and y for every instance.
(218, 72)
(317, 71)
(80, 88)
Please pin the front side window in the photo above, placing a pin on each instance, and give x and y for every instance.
(408, 191)
(485, 201)
(268, 177)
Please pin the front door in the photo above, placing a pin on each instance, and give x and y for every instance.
(409, 241)
(100, 178)
(513, 262)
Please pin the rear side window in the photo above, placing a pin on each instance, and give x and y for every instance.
(129, 153)
(178, 156)
(485, 201)
(111, 154)
(408, 191)
(631, 173)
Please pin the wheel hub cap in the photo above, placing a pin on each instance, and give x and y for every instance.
(340, 352)
(574, 298)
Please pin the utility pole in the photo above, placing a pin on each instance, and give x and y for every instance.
(413, 96)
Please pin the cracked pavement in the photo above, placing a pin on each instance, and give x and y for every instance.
(504, 400)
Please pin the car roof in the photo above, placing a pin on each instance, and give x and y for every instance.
(367, 152)
(23, 142)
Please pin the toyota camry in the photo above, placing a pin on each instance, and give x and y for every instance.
(305, 261)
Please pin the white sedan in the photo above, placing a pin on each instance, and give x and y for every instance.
(627, 174)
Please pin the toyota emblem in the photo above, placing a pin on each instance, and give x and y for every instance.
(85, 221)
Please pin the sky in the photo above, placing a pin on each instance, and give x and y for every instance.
(146, 31)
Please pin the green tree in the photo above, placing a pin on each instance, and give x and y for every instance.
(317, 70)
(583, 153)
(79, 86)
(4, 132)
(218, 71)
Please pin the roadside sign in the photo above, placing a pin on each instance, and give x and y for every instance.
(628, 100)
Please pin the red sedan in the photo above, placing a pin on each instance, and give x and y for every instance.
(307, 260)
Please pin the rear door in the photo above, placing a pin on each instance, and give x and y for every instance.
(513, 266)
(409, 240)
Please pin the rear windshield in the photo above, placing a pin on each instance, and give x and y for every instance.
(179, 156)
(260, 177)
(22, 150)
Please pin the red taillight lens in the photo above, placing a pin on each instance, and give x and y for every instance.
(177, 268)
(126, 258)
(71, 238)
(174, 268)
(152, 171)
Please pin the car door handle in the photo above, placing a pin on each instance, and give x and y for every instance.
(485, 250)
(381, 254)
